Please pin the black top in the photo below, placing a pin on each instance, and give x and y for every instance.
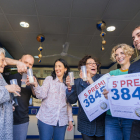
(95, 127)
(21, 111)
(134, 67)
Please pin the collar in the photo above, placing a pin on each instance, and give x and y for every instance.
(57, 80)
(124, 70)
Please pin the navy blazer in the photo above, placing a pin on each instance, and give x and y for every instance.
(134, 67)
(97, 126)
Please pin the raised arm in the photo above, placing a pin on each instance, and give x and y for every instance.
(5, 92)
(41, 92)
(21, 67)
(72, 95)
(71, 92)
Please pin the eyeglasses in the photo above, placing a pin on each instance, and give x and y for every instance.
(91, 64)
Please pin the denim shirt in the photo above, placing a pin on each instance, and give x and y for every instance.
(97, 126)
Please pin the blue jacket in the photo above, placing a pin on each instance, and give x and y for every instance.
(97, 126)
(134, 67)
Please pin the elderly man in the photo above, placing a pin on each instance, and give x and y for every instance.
(21, 118)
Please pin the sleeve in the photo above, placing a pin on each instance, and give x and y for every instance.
(8, 78)
(34, 96)
(42, 91)
(4, 95)
(69, 109)
(72, 95)
(111, 72)
(130, 70)
(32, 93)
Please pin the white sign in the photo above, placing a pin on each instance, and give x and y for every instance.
(92, 99)
(124, 95)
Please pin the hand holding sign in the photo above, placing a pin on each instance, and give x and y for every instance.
(124, 96)
(105, 93)
(92, 99)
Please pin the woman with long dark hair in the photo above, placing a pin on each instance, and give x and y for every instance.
(55, 113)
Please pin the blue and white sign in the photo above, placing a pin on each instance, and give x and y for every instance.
(92, 99)
(124, 95)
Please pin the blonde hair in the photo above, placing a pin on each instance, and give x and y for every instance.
(128, 50)
(2, 51)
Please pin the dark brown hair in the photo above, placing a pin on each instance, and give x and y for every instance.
(83, 61)
(64, 62)
(138, 26)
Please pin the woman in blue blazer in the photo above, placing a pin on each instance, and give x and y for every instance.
(90, 130)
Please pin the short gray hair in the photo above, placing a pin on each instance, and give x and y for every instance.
(2, 51)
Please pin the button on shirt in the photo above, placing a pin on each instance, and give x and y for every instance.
(54, 107)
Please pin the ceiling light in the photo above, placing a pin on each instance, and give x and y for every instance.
(36, 57)
(111, 28)
(24, 24)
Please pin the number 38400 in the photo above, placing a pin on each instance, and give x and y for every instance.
(125, 94)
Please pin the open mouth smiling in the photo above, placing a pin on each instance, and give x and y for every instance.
(93, 69)
(120, 60)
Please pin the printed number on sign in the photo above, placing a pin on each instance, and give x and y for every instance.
(125, 94)
(91, 99)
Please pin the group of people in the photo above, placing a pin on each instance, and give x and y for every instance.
(14, 125)
(55, 113)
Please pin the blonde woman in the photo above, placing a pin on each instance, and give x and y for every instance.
(119, 128)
